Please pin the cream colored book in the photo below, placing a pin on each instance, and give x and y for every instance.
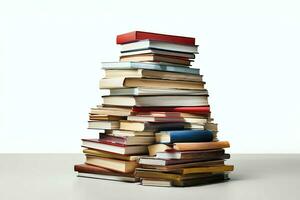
(111, 83)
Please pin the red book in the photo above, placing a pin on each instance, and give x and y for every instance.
(192, 109)
(139, 35)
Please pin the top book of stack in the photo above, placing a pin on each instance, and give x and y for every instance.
(140, 35)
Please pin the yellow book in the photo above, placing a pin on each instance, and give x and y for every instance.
(104, 154)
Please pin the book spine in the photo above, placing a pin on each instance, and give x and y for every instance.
(191, 136)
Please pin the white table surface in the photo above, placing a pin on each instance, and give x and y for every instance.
(51, 177)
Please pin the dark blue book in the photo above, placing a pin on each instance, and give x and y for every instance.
(177, 136)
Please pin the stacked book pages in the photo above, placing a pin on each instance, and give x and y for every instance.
(155, 124)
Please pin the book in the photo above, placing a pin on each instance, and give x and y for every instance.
(114, 148)
(151, 66)
(108, 177)
(141, 35)
(106, 154)
(96, 117)
(111, 110)
(159, 164)
(112, 164)
(202, 154)
(145, 73)
(173, 114)
(157, 58)
(149, 126)
(200, 145)
(185, 173)
(155, 92)
(89, 171)
(155, 148)
(174, 136)
(161, 52)
(111, 83)
(150, 44)
(103, 124)
(212, 178)
(123, 133)
(128, 140)
(185, 109)
(153, 101)
(150, 118)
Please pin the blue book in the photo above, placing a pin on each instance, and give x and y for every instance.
(150, 66)
(177, 136)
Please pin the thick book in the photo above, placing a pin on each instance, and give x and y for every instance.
(187, 109)
(150, 126)
(128, 140)
(202, 154)
(174, 136)
(103, 124)
(111, 83)
(90, 171)
(150, 44)
(112, 164)
(106, 154)
(160, 52)
(212, 178)
(145, 73)
(141, 35)
(114, 148)
(160, 164)
(155, 92)
(150, 66)
(153, 101)
(200, 145)
(156, 58)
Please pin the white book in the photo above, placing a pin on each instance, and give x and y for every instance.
(153, 91)
(108, 177)
(147, 44)
(161, 52)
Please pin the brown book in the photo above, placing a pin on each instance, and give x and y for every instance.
(111, 83)
(176, 167)
(156, 58)
(211, 178)
(200, 145)
(184, 173)
(145, 73)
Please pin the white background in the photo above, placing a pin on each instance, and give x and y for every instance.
(50, 54)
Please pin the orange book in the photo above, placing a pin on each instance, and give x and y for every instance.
(201, 145)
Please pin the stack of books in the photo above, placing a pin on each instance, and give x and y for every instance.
(156, 119)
